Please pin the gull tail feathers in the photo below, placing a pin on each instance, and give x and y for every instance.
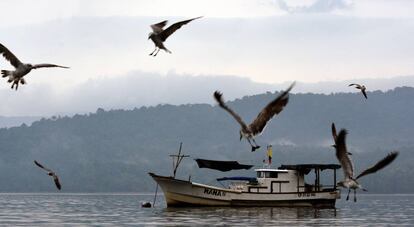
(6, 73)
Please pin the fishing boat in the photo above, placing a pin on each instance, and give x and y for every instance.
(284, 186)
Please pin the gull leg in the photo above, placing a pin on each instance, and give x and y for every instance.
(153, 51)
(253, 147)
(355, 199)
(257, 146)
(347, 197)
(156, 52)
(14, 84)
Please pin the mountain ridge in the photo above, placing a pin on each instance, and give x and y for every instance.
(112, 151)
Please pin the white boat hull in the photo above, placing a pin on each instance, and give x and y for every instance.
(187, 193)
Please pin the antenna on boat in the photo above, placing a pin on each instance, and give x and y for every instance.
(179, 158)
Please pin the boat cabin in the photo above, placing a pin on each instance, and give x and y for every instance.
(285, 179)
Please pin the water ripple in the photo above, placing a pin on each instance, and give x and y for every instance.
(125, 210)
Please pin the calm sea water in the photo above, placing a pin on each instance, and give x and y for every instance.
(125, 209)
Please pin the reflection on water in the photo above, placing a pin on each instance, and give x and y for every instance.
(125, 209)
(245, 215)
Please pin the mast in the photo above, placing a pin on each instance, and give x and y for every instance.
(177, 159)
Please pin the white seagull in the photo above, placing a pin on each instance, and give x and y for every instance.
(50, 173)
(360, 87)
(159, 35)
(350, 182)
(258, 124)
(21, 69)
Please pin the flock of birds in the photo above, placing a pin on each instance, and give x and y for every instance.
(276, 106)
(158, 36)
(248, 131)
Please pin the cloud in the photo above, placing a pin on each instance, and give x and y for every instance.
(304, 47)
(319, 6)
(134, 89)
(138, 88)
(284, 142)
(47, 10)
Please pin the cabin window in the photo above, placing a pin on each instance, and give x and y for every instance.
(272, 175)
(266, 174)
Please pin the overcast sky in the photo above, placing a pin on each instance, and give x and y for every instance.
(266, 41)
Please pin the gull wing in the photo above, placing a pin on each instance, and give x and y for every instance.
(334, 135)
(41, 166)
(56, 180)
(170, 30)
(357, 85)
(364, 93)
(158, 27)
(342, 155)
(379, 165)
(273, 108)
(9, 56)
(48, 66)
(219, 99)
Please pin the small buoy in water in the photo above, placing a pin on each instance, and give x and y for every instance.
(146, 204)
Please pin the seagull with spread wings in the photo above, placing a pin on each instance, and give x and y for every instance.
(258, 124)
(350, 182)
(50, 173)
(21, 69)
(360, 87)
(159, 35)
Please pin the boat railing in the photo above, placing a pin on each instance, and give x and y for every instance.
(317, 188)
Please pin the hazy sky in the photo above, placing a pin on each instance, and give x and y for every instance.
(267, 41)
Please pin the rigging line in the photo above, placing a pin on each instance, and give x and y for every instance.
(155, 196)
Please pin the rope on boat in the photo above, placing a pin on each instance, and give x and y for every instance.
(155, 196)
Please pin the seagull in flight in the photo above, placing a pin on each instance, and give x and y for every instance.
(335, 136)
(350, 182)
(159, 35)
(360, 87)
(50, 173)
(21, 69)
(257, 126)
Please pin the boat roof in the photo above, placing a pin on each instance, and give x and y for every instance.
(237, 178)
(272, 170)
(306, 168)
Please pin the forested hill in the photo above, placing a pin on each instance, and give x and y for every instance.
(112, 151)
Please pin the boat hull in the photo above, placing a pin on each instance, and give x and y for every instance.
(180, 193)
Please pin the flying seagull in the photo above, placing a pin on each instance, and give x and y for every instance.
(258, 124)
(347, 166)
(360, 87)
(21, 69)
(159, 35)
(335, 136)
(50, 173)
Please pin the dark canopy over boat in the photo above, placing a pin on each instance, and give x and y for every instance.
(223, 166)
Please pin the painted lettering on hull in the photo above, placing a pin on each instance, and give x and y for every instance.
(306, 194)
(214, 192)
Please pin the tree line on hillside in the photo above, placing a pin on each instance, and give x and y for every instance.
(113, 150)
